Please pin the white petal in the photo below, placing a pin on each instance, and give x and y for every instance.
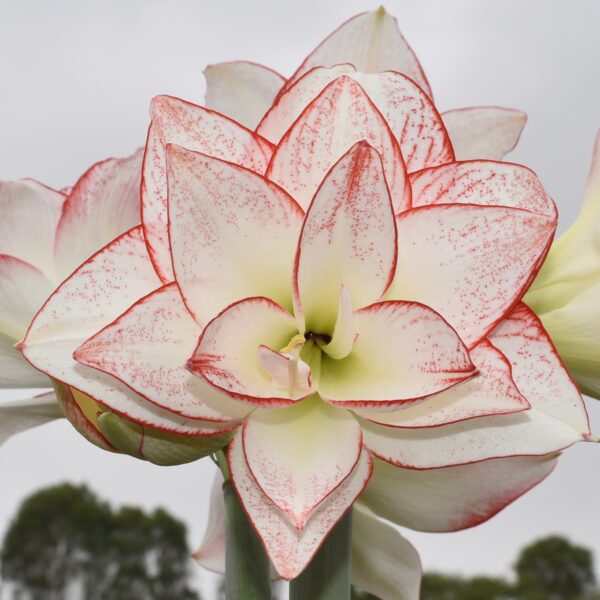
(21, 415)
(147, 348)
(290, 549)
(195, 128)
(15, 371)
(452, 498)
(30, 213)
(233, 233)
(241, 90)
(372, 42)
(102, 205)
(95, 295)
(469, 263)
(299, 455)
(484, 131)
(402, 351)
(348, 239)
(384, 563)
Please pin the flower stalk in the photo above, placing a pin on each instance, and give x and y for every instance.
(328, 575)
(246, 564)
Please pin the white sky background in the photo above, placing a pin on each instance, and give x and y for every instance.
(76, 79)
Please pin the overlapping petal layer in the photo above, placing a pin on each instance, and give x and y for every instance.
(195, 128)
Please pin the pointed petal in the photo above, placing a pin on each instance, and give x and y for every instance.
(410, 114)
(102, 205)
(537, 368)
(348, 239)
(394, 359)
(329, 126)
(469, 263)
(384, 563)
(241, 90)
(372, 42)
(30, 212)
(591, 197)
(96, 294)
(290, 549)
(299, 455)
(21, 415)
(227, 353)
(452, 498)
(491, 392)
(177, 122)
(482, 182)
(15, 372)
(147, 348)
(211, 553)
(488, 132)
(233, 233)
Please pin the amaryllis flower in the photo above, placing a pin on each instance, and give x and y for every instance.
(565, 292)
(333, 297)
(44, 235)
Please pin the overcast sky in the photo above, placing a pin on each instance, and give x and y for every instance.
(77, 77)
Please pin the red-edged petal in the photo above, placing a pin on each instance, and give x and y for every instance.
(290, 549)
(329, 126)
(241, 90)
(469, 263)
(30, 212)
(484, 131)
(372, 42)
(300, 454)
(491, 392)
(102, 205)
(92, 297)
(453, 498)
(227, 355)
(537, 368)
(384, 563)
(195, 128)
(348, 239)
(483, 182)
(147, 348)
(403, 351)
(411, 115)
(233, 233)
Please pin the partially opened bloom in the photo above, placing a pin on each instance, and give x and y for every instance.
(335, 298)
(44, 235)
(566, 291)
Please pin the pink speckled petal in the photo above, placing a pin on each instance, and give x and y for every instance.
(403, 351)
(491, 392)
(91, 298)
(299, 455)
(177, 122)
(290, 549)
(227, 353)
(241, 90)
(452, 498)
(348, 239)
(147, 348)
(483, 182)
(411, 115)
(484, 131)
(469, 263)
(233, 233)
(329, 126)
(102, 205)
(373, 43)
(30, 213)
(537, 368)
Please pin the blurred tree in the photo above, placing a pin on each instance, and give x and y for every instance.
(65, 542)
(554, 569)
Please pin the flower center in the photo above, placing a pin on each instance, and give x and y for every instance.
(324, 338)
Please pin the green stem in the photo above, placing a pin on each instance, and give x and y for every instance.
(247, 574)
(327, 577)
